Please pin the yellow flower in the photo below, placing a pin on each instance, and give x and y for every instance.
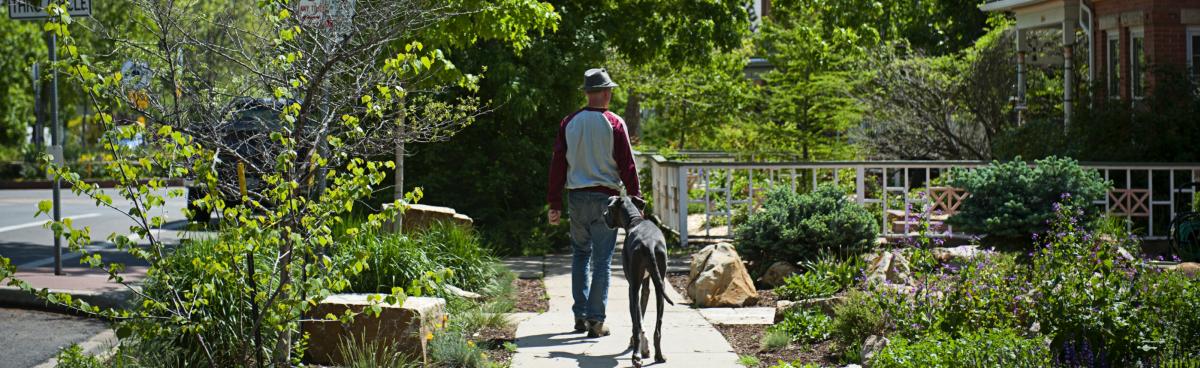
(429, 336)
(471, 343)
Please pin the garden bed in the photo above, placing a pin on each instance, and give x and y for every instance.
(497, 343)
(531, 296)
(746, 340)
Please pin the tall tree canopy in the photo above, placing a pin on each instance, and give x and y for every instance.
(496, 171)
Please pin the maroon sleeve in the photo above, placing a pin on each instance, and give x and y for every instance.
(623, 154)
(558, 167)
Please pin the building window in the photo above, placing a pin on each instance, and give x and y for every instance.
(1137, 63)
(1113, 66)
(1193, 53)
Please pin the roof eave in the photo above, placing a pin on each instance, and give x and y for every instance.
(1007, 5)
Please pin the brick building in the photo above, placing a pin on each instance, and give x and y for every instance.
(1126, 41)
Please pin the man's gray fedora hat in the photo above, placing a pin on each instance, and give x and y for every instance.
(597, 79)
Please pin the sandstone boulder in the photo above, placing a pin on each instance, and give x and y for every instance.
(960, 255)
(408, 326)
(459, 292)
(719, 279)
(825, 305)
(777, 273)
(419, 217)
(873, 345)
(889, 267)
(1191, 269)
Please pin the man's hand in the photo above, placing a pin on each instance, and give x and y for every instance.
(555, 217)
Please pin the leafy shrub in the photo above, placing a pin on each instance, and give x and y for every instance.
(795, 227)
(1012, 199)
(1091, 296)
(451, 349)
(989, 293)
(806, 285)
(395, 260)
(856, 319)
(224, 319)
(360, 352)
(73, 357)
(748, 361)
(981, 349)
(774, 339)
(804, 325)
(841, 272)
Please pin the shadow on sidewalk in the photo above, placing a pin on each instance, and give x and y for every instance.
(591, 361)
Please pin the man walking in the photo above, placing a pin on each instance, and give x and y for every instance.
(592, 160)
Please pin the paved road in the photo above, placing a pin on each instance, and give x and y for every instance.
(29, 337)
(23, 239)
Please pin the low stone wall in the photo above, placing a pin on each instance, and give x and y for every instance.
(419, 217)
(408, 326)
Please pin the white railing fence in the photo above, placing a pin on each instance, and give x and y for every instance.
(704, 198)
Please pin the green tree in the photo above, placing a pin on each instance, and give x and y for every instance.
(338, 95)
(497, 170)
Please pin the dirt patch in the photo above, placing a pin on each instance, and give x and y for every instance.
(767, 298)
(746, 340)
(493, 340)
(679, 280)
(531, 296)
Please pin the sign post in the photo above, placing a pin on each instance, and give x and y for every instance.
(36, 10)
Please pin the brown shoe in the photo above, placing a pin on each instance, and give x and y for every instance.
(580, 325)
(597, 329)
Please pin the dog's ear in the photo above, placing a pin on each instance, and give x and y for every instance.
(639, 203)
(610, 215)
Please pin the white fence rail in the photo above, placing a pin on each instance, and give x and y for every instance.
(702, 199)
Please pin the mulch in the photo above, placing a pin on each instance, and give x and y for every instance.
(492, 340)
(767, 298)
(531, 296)
(680, 281)
(746, 340)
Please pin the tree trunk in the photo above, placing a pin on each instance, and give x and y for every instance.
(633, 116)
(399, 195)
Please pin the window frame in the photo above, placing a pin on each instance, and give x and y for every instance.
(1112, 60)
(1134, 35)
(1192, 51)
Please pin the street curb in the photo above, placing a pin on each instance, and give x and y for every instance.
(102, 346)
(13, 296)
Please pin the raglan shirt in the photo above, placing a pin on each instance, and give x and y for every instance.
(592, 153)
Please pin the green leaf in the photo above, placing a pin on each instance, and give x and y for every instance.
(44, 207)
(124, 332)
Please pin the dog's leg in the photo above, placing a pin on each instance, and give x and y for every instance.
(645, 293)
(636, 269)
(661, 261)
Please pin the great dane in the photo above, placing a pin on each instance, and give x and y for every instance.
(644, 260)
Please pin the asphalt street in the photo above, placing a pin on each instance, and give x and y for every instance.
(30, 337)
(28, 244)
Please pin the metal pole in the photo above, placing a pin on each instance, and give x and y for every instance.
(56, 147)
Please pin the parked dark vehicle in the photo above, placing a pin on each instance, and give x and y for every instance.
(244, 138)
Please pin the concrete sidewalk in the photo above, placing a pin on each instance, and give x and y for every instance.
(547, 340)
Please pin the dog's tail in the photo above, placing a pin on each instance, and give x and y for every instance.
(657, 276)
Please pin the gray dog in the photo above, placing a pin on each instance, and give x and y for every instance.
(644, 260)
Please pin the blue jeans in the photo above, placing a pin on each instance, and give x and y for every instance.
(592, 243)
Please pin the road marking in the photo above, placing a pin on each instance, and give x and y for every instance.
(40, 223)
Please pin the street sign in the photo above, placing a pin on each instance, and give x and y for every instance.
(326, 15)
(136, 74)
(36, 9)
